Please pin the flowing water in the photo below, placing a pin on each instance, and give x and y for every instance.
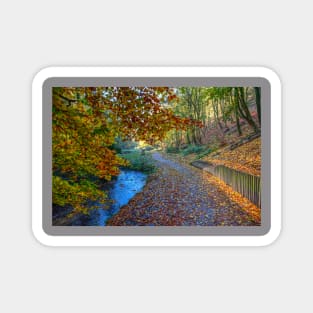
(127, 184)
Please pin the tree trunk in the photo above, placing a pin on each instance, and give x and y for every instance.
(238, 122)
(243, 108)
(257, 91)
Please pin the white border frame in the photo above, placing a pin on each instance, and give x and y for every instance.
(241, 240)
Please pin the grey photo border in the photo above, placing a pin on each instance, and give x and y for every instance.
(51, 230)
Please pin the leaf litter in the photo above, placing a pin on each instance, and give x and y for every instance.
(181, 195)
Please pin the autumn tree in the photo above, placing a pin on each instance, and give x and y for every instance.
(214, 106)
(86, 122)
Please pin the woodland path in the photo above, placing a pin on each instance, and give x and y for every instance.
(180, 195)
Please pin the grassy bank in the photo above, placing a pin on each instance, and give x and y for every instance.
(192, 151)
(139, 161)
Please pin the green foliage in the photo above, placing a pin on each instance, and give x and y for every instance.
(126, 151)
(116, 147)
(139, 161)
(77, 193)
(192, 149)
(206, 152)
(172, 150)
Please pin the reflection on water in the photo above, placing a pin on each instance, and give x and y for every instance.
(128, 183)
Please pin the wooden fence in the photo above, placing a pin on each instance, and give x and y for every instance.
(246, 184)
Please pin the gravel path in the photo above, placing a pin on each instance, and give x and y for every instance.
(180, 195)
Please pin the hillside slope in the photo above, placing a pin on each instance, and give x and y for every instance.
(245, 158)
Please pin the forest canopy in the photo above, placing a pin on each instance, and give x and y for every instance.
(88, 123)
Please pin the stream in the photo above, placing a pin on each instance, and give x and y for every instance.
(127, 184)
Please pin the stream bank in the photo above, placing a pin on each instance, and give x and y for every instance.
(125, 187)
